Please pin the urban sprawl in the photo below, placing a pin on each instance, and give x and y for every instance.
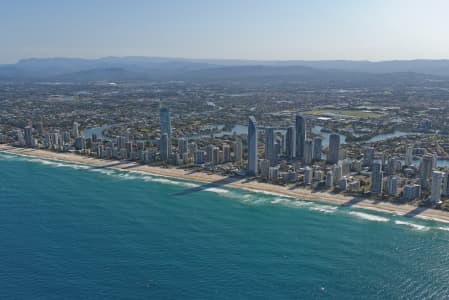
(385, 143)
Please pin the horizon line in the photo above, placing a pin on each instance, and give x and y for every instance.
(223, 59)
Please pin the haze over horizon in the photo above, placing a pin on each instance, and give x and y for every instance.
(174, 58)
(296, 30)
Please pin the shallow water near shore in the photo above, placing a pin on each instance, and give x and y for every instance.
(76, 231)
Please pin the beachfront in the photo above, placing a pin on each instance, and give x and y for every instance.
(240, 183)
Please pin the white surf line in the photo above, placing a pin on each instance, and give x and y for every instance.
(368, 217)
(110, 171)
(412, 225)
(250, 190)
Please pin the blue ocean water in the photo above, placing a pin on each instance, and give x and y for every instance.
(77, 232)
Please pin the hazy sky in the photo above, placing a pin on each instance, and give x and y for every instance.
(248, 29)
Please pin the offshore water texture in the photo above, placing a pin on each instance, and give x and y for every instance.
(71, 231)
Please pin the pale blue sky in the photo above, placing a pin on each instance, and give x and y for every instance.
(246, 29)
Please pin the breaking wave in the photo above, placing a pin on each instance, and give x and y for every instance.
(412, 225)
(216, 190)
(6, 156)
(368, 217)
(169, 181)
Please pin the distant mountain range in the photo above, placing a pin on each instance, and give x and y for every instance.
(159, 68)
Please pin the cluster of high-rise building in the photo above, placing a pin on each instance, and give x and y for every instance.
(289, 155)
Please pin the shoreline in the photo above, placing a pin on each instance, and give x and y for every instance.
(215, 180)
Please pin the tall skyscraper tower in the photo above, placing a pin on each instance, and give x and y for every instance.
(300, 136)
(75, 130)
(334, 148)
(238, 150)
(252, 146)
(317, 145)
(182, 145)
(163, 147)
(392, 185)
(291, 142)
(164, 115)
(437, 184)
(409, 156)
(270, 153)
(376, 178)
(368, 156)
(226, 153)
(308, 152)
(426, 166)
(165, 123)
(28, 136)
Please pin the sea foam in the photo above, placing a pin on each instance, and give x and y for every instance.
(368, 217)
(412, 225)
(327, 209)
(216, 190)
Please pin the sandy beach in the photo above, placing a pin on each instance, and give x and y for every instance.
(240, 183)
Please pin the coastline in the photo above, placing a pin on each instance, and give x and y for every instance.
(239, 183)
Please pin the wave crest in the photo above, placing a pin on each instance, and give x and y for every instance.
(412, 225)
(368, 217)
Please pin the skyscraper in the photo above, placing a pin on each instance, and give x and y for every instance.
(336, 171)
(80, 143)
(182, 145)
(198, 157)
(28, 136)
(282, 141)
(317, 144)
(368, 156)
(300, 136)
(291, 142)
(163, 147)
(437, 183)
(409, 156)
(426, 166)
(308, 175)
(20, 138)
(226, 153)
(345, 165)
(121, 141)
(329, 179)
(238, 150)
(75, 130)
(165, 122)
(215, 156)
(192, 147)
(445, 191)
(40, 127)
(334, 148)
(308, 152)
(411, 192)
(252, 146)
(392, 185)
(270, 153)
(376, 178)
(273, 174)
(264, 168)
(209, 152)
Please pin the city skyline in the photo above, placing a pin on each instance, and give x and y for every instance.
(176, 149)
(293, 30)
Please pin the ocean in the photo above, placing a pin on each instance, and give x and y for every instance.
(71, 231)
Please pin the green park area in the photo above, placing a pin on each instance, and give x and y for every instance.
(346, 113)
